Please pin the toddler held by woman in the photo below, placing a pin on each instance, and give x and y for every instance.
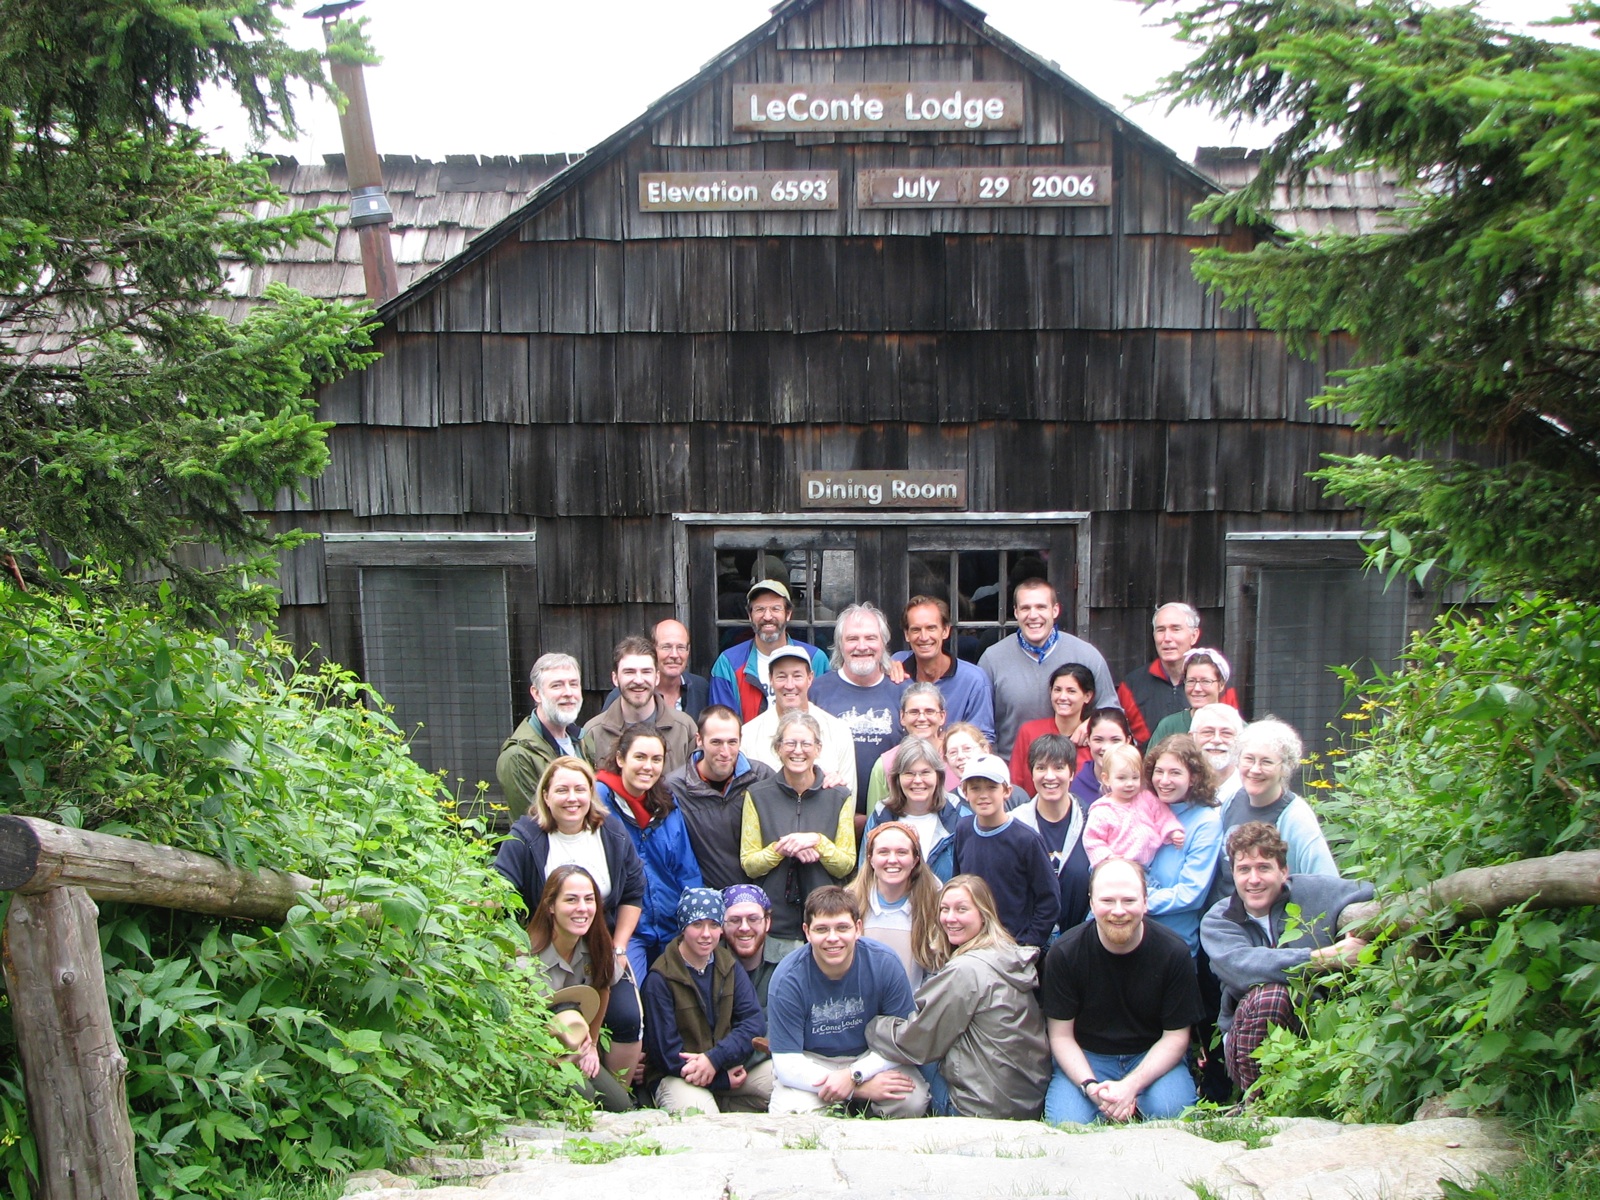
(1128, 821)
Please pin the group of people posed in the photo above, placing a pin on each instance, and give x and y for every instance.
(910, 883)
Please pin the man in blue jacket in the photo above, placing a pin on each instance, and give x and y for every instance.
(739, 677)
(1254, 945)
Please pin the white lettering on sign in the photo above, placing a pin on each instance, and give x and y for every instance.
(705, 193)
(921, 188)
(827, 489)
(882, 489)
(888, 106)
(902, 489)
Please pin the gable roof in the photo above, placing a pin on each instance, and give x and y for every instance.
(1356, 203)
(438, 208)
(580, 169)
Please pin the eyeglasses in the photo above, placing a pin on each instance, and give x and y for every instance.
(792, 745)
(1255, 760)
(919, 773)
(672, 647)
(746, 922)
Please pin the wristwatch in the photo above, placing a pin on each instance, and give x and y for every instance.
(1087, 1084)
(858, 1077)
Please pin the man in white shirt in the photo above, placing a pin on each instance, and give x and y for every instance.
(791, 673)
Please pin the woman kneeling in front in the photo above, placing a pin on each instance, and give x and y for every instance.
(977, 1022)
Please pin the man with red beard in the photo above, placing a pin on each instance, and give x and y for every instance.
(1119, 996)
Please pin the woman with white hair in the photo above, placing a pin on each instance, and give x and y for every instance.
(1269, 753)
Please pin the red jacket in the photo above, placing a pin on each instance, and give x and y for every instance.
(1148, 696)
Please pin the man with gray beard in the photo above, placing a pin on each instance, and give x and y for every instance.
(861, 691)
(548, 732)
(1215, 729)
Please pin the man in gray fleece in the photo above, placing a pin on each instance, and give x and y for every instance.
(1254, 944)
(1019, 666)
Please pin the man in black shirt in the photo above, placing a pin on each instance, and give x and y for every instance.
(1119, 996)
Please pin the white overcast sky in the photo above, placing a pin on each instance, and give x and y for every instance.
(526, 76)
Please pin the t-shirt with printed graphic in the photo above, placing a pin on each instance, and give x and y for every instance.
(871, 712)
(809, 1013)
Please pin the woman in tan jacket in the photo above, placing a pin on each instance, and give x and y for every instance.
(977, 1025)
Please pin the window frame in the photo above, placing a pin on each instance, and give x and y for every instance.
(920, 531)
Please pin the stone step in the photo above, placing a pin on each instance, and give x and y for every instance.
(759, 1157)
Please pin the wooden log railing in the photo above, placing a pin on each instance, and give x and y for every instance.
(1567, 880)
(74, 1072)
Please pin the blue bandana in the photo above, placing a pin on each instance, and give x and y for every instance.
(746, 893)
(699, 904)
(1039, 653)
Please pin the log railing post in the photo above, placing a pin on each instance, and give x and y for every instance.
(74, 1073)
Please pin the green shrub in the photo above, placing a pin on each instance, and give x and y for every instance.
(384, 1015)
(1483, 750)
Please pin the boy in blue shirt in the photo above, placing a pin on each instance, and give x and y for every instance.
(822, 996)
(1008, 855)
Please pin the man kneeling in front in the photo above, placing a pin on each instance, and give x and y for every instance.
(1255, 944)
(822, 997)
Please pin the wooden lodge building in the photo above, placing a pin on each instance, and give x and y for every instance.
(879, 299)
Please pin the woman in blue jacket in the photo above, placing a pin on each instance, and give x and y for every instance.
(632, 786)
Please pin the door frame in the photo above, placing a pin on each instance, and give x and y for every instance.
(684, 522)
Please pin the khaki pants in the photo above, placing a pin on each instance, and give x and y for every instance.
(794, 1100)
(753, 1095)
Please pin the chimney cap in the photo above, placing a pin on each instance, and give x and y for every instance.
(329, 11)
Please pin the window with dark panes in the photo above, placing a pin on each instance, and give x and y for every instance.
(971, 561)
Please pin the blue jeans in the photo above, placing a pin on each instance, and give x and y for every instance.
(1065, 1104)
(938, 1091)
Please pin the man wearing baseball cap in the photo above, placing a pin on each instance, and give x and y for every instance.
(739, 677)
(1008, 855)
(792, 675)
(701, 1018)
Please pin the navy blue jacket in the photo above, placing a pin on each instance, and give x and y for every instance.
(523, 855)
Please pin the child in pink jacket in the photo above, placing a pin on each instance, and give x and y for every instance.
(1128, 821)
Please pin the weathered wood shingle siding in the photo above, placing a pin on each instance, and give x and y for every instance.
(586, 369)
